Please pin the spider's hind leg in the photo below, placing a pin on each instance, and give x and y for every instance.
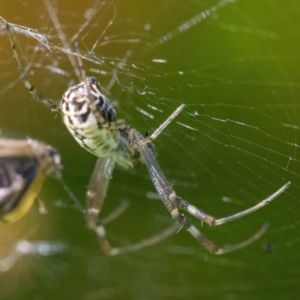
(208, 244)
(109, 250)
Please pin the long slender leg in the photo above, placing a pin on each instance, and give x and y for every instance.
(208, 244)
(247, 242)
(109, 250)
(78, 68)
(97, 188)
(95, 197)
(35, 93)
(158, 131)
(196, 212)
(172, 203)
(115, 213)
(168, 195)
(62, 36)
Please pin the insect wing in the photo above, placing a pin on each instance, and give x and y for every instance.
(97, 188)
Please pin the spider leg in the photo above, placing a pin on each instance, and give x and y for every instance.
(62, 36)
(168, 195)
(115, 213)
(95, 197)
(208, 244)
(97, 188)
(79, 69)
(196, 212)
(245, 243)
(173, 203)
(35, 93)
(109, 250)
(158, 131)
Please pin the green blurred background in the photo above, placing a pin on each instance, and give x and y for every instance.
(236, 67)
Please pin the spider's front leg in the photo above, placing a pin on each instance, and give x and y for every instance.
(34, 92)
(159, 130)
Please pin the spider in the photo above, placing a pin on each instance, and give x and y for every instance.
(91, 119)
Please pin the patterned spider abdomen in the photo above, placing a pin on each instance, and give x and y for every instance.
(89, 116)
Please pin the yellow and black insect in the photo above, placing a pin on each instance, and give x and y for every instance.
(24, 164)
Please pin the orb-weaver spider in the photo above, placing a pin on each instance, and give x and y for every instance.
(91, 119)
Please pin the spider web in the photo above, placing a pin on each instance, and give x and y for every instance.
(235, 66)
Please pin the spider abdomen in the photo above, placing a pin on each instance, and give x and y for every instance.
(87, 114)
